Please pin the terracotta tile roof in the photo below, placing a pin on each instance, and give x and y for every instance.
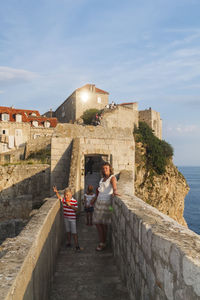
(88, 87)
(27, 115)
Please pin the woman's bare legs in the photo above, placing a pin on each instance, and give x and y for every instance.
(102, 231)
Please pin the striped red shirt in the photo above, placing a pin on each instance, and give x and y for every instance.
(69, 213)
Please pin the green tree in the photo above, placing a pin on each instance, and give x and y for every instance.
(89, 115)
(157, 151)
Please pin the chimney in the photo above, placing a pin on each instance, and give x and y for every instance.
(50, 113)
(92, 88)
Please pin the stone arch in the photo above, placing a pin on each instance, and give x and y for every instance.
(98, 154)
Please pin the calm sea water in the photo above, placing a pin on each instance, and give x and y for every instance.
(192, 200)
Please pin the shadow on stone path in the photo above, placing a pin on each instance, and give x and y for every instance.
(88, 274)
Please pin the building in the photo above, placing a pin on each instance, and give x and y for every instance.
(17, 126)
(152, 118)
(86, 97)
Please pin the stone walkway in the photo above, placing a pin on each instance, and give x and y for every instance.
(89, 274)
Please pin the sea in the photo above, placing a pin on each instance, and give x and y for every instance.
(192, 200)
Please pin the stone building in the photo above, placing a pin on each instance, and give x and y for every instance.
(152, 118)
(86, 97)
(18, 126)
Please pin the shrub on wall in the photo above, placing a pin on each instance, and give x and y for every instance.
(89, 115)
(157, 151)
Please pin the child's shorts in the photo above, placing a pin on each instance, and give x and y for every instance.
(89, 209)
(70, 225)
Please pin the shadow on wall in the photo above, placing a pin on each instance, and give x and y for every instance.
(18, 200)
(60, 172)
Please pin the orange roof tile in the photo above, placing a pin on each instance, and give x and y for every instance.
(27, 115)
(97, 90)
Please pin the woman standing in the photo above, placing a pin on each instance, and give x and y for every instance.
(102, 213)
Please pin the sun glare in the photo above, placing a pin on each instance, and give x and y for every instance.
(84, 97)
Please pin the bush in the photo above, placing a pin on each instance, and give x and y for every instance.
(89, 115)
(157, 151)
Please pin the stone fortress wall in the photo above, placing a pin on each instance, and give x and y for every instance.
(152, 118)
(157, 257)
(121, 116)
(21, 187)
(117, 144)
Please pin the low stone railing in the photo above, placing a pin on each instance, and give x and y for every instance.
(157, 257)
(27, 262)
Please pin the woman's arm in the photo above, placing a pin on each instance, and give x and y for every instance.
(57, 194)
(114, 185)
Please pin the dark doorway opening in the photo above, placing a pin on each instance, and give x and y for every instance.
(93, 168)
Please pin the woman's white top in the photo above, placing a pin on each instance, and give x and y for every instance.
(105, 189)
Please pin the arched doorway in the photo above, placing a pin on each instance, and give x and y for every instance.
(92, 166)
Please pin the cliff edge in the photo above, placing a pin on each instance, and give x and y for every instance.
(166, 192)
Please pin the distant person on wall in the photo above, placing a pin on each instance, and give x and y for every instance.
(88, 197)
(89, 166)
(102, 210)
(70, 207)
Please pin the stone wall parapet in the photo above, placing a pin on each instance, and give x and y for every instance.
(157, 257)
(27, 262)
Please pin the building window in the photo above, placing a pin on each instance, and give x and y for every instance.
(18, 132)
(47, 124)
(36, 136)
(33, 114)
(35, 123)
(98, 99)
(5, 131)
(5, 117)
(18, 118)
(4, 147)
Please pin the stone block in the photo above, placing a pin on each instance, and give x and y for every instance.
(161, 246)
(191, 273)
(146, 239)
(135, 224)
(168, 284)
(175, 260)
(150, 277)
(159, 268)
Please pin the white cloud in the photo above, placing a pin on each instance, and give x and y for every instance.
(8, 74)
(182, 129)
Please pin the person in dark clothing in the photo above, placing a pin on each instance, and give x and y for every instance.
(89, 166)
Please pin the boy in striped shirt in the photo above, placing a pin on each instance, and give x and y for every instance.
(70, 207)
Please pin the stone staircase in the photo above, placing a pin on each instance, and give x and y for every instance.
(88, 274)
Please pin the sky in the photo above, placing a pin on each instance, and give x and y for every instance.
(146, 51)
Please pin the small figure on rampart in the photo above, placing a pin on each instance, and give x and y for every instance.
(88, 197)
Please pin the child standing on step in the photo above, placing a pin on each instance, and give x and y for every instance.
(70, 207)
(88, 197)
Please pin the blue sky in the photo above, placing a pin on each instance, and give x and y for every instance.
(137, 50)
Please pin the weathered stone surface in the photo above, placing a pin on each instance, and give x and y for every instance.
(168, 284)
(164, 262)
(191, 273)
(21, 187)
(88, 274)
(166, 193)
(27, 261)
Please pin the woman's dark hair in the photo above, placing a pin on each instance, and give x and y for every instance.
(107, 164)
